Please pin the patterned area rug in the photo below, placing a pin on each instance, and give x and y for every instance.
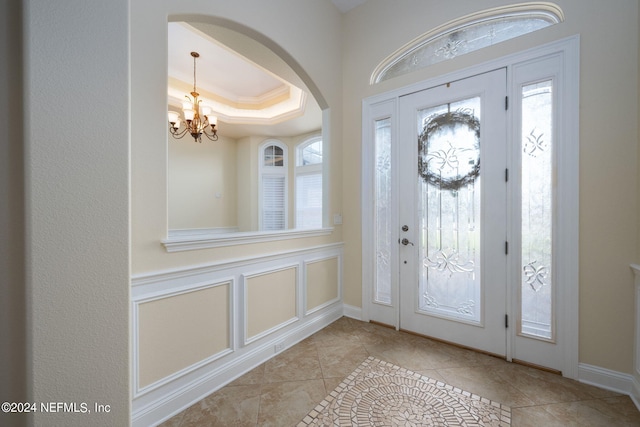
(381, 394)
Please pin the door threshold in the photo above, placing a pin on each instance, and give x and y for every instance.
(487, 353)
(538, 367)
(384, 325)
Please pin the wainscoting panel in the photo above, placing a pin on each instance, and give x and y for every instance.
(196, 329)
(323, 283)
(178, 331)
(270, 299)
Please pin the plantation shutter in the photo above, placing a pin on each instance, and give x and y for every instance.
(309, 200)
(273, 202)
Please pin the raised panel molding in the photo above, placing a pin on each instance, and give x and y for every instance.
(139, 389)
(308, 310)
(246, 278)
(156, 402)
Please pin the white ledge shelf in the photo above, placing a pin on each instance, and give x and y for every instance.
(184, 243)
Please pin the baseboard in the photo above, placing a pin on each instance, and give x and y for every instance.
(610, 380)
(352, 311)
(635, 392)
(174, 399)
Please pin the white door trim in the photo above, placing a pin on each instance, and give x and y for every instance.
(568, 242)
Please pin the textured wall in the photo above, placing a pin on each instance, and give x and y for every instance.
(12, 228)
(77, 196)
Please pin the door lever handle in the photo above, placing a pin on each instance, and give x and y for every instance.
(405, 242)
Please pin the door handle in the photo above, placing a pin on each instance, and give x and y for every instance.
(405, 242)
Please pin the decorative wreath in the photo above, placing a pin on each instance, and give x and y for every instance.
(433, 175)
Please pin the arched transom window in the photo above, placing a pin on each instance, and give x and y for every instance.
(468, 34)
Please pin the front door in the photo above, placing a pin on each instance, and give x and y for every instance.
(452, 212)
(470, 207)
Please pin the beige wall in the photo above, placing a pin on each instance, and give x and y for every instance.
(202, 187)
(270, 300)
(322, 282)
(182, 330)
(247, 177)
(608, 143)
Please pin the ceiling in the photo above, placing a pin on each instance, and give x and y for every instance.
(247, 97)
(346, 5)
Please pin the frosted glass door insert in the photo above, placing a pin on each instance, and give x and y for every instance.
(449, 210)
(383, 213)
(537, 211)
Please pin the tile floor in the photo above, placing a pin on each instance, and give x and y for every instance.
(283, 390)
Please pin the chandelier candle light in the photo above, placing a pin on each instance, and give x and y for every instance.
(197, 118)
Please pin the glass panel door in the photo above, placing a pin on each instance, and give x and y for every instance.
(453, 201)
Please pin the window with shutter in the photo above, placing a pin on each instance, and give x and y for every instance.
(273, 185)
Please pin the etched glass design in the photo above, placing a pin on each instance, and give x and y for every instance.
(449, 209)
(383, 213)
(537, 210)
(467, 36)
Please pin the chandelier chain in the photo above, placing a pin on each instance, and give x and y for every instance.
(194, 71)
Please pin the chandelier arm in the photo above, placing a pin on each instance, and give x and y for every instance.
(212, 137)
(176, 134)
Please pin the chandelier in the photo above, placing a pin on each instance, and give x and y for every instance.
(198, 120)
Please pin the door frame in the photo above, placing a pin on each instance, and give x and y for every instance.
(567, 216)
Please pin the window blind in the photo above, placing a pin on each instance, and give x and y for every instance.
(273, 202)
(309, 200)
